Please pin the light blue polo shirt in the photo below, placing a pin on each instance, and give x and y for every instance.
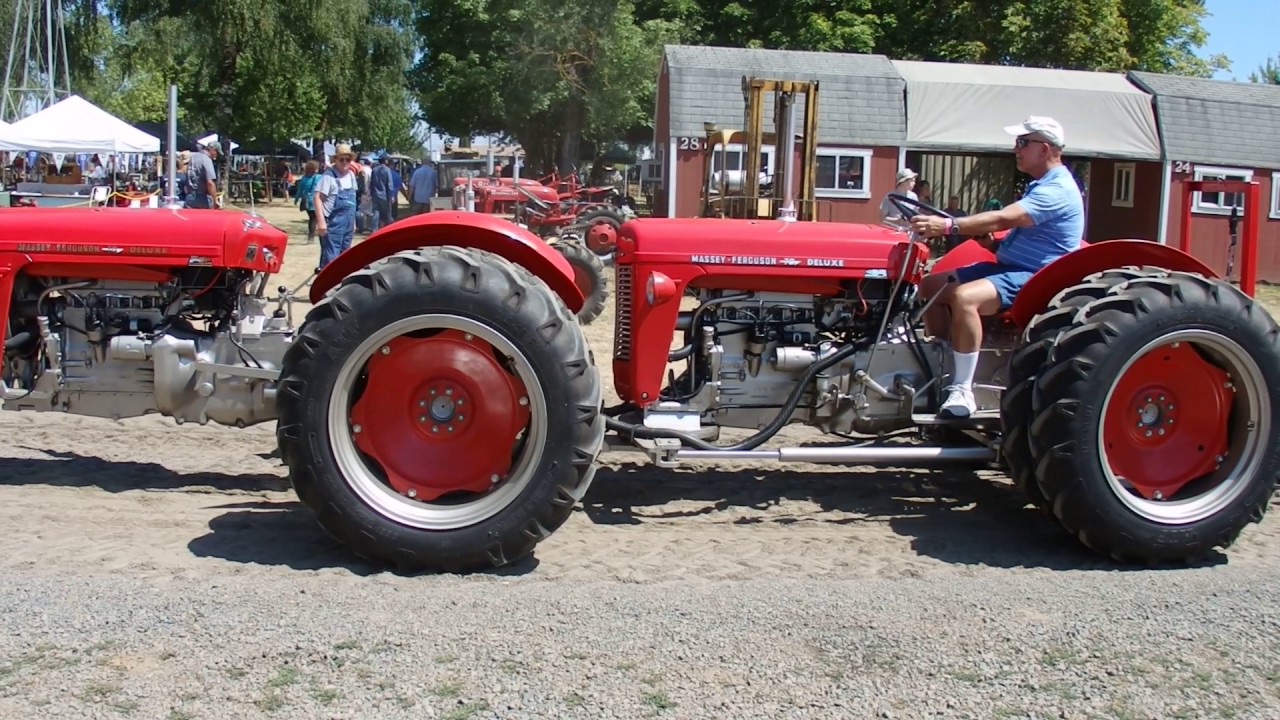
(1055, 206)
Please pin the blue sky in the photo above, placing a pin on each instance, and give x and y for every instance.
(1243, 30)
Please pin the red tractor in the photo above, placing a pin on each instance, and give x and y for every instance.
(439, 407)
(551, 208)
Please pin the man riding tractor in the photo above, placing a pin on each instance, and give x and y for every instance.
(1046, 223)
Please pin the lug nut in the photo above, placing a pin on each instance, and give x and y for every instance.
(435, 428)
(412, 493)
(386, 349)
(448, 391)
(1148, 433)
(524, 401)
(494, 478)
(356, 429)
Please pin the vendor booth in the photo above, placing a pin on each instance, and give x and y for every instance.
(71, 127)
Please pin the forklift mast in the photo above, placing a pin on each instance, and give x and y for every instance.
(788, 201)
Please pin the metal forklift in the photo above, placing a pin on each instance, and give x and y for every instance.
(740, 193)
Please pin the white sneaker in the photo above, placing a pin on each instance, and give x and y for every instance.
(959, 403)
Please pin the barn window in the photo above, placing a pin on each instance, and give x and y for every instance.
(1217, 203)
(1275, 196)
(843, 173)
(1122, 188)
(733, 157)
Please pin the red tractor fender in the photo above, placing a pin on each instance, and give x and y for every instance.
(470, 230)
(1073, 267)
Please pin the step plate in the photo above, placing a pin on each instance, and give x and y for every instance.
(980, 419)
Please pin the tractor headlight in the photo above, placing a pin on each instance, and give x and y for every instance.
(658, 288)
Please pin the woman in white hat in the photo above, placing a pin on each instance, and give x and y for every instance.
(906, 183)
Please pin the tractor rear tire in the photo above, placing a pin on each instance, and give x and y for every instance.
(602, 241)
(590, 277)
(1015, 403)
(440, 411)
(1156, 438)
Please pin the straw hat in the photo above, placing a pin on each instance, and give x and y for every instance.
(343, 149)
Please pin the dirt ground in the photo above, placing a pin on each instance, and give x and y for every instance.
(146, 496)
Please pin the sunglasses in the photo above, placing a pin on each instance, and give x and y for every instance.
(1023, 142)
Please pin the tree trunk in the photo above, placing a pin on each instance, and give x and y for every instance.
(571, 135)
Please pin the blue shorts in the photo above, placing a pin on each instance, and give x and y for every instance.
(1008, 279)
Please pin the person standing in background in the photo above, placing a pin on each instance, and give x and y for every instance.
(422, 187)
(336, 201)
(202, 178)
(307, 196)
(381, 193)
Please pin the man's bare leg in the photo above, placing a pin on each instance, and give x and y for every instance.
(937, 321)
(969, 302)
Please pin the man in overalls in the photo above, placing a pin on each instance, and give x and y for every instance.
(335, 198)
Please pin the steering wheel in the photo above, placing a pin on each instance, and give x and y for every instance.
(909, 206)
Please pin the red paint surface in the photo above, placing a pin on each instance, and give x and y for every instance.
(130, 244)
(708, 253)
(470, 230)
(433, 456)
(1191, 408)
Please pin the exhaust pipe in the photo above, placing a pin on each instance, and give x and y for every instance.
(852, 455)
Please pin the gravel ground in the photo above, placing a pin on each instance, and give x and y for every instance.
(1181, 644)
(155, 571)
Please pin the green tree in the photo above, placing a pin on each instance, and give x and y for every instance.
(551, 75)
(1268, 72)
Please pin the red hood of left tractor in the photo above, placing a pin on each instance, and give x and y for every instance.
(143, 236)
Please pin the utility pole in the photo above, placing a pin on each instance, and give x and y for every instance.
(37, 74)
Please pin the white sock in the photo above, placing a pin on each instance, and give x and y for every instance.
(966, 365)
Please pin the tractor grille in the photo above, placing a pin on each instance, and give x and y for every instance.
(622, 313)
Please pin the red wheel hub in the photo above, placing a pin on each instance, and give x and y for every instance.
(1166, 422)
(602, 237)
(439, 414)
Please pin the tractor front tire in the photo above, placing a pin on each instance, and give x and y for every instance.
(590, 277)
(1156, 436)
(440, 411)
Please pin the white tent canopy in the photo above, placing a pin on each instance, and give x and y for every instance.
(954, 107)
(75, 125)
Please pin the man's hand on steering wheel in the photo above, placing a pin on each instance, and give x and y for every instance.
(926, 220)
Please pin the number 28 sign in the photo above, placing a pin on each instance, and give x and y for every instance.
(691, 143)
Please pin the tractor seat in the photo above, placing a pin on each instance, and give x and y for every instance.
(538, 203)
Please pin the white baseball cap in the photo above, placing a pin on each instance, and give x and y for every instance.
(1046, 127)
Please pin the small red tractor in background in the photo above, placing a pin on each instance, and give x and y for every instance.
(439, 407)
(552, 207)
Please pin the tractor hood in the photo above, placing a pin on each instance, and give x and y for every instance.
(148, 236)
(804, 246)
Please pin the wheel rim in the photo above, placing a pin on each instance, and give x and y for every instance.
(602, 237)
(396, 398)
(1176, 467)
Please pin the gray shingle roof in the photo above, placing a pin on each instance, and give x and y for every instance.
(860, 97)
(1216, 121)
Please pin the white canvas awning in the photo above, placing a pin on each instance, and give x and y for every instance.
(75, 125)
(954, 107)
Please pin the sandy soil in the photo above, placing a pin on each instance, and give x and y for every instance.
(154, 500)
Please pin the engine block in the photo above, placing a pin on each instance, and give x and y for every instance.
(124, 350)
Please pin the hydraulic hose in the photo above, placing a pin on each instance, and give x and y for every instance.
(768, 431)
(17, 341)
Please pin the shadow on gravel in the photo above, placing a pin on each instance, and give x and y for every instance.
(63, 469)
(953, 515)
(286, 534)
